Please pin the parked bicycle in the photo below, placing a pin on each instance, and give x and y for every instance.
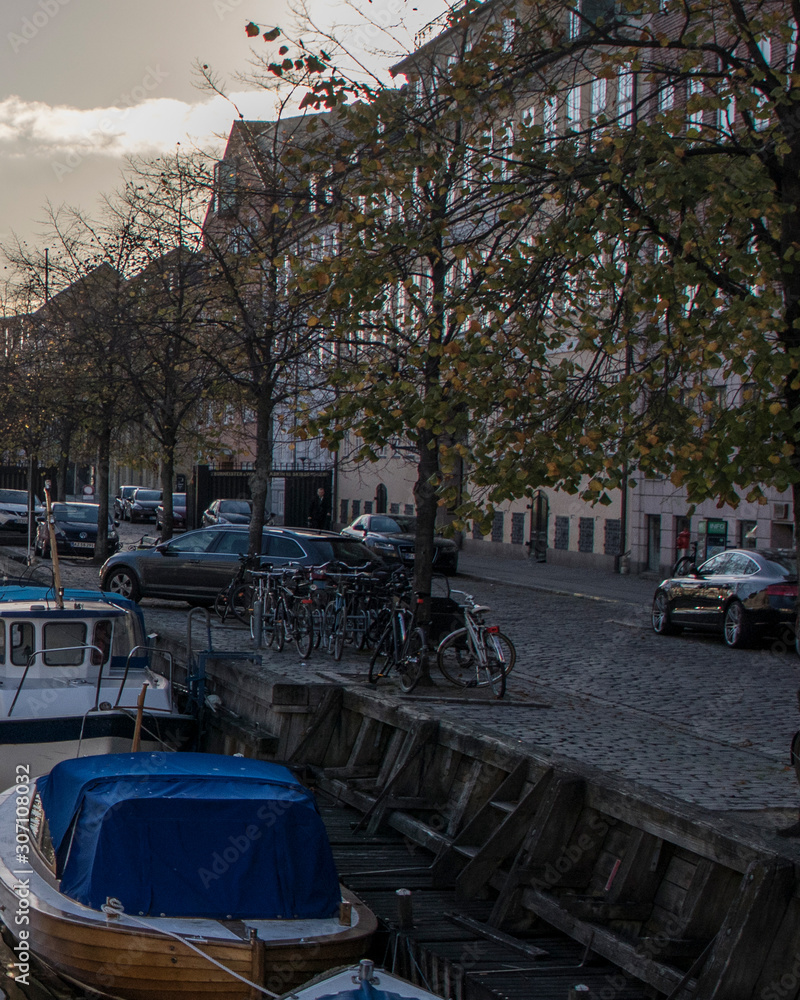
(293, 617)
(237, 598)
(403, 645)
(477, 654)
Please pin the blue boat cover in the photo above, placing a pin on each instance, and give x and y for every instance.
(190, 835)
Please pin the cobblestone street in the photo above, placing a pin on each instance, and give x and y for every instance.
(684, 715)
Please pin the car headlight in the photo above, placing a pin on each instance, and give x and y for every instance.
(384, 547)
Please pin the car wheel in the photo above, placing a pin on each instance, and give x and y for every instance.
(736, 629)
(123, 582)
(660, 618)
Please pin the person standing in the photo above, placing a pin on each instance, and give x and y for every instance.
(319, 514)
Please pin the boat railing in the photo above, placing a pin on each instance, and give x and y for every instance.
(165, 653)
(33, 657)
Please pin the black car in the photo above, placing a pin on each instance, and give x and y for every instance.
(194, 567)
(75, 529)
(124, 493)
(740, 593)
(228, 512)
(392, 536)
(178, 513)
(141, 505)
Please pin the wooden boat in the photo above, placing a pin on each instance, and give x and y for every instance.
(72, 668)
(158, 876)
(361, 982)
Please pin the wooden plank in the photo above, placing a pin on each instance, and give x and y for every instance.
(640, 871)
(502, 843)
(626, 954)
(492, 934)
(314, 742)
(462, 800)
(743, 942)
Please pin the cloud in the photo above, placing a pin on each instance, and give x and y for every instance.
(150, 127)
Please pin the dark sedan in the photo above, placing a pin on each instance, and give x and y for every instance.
(75, 527)
(194, 567)
(392, 536)
(740, 593)
(178, 513)
(228, 512)
(141, 506)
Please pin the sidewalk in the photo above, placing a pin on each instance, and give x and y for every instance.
(555, 579)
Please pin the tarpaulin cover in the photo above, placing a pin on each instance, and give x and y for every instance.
(192, 835)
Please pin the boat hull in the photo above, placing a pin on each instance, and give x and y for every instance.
(140, 964)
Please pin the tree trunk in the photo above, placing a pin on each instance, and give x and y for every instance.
(101, 489)
(260, 477)
(167, 479)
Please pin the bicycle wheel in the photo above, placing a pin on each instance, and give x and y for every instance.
(328, 622)
(382, 659)
(221, 605)
(456, 658)
(304, 630)
(337, 638)
(359, 628)
(500, 650)
(242, 601)
(318, 623)
(280, 625)
(493, 673)
(415, 659)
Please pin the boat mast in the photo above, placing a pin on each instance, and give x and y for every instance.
(54, 550)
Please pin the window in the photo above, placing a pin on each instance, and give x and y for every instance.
(599, 97)
(586, 534)
(613, 537)
(561, 539)
(2, 642)
(509, 31)
(666, 97)
(498, 526)
(695, 117)
(197, 541)
(625, 91)
(517, 529)
(284, 548)
(356, 508)
(574, 109)
(102, 640)
(550, 121)
(64, 644)
(528, 116)
(224, 187)
(573, 24)
(747, 534)
(22, 643)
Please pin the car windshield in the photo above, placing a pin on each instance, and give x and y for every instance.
(234, 507)
(75, 513)
(148, 495)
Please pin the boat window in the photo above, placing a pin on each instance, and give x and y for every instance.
(101, 639)
(58, 638)
(128, 634)
(22, 643)
(2, 642)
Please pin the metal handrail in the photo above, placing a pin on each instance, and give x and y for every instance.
(147, 649)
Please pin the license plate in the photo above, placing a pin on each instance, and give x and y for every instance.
(83, 545)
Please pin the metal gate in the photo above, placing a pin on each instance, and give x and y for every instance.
(300, 486)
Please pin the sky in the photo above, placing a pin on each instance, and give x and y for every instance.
(85, 83)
